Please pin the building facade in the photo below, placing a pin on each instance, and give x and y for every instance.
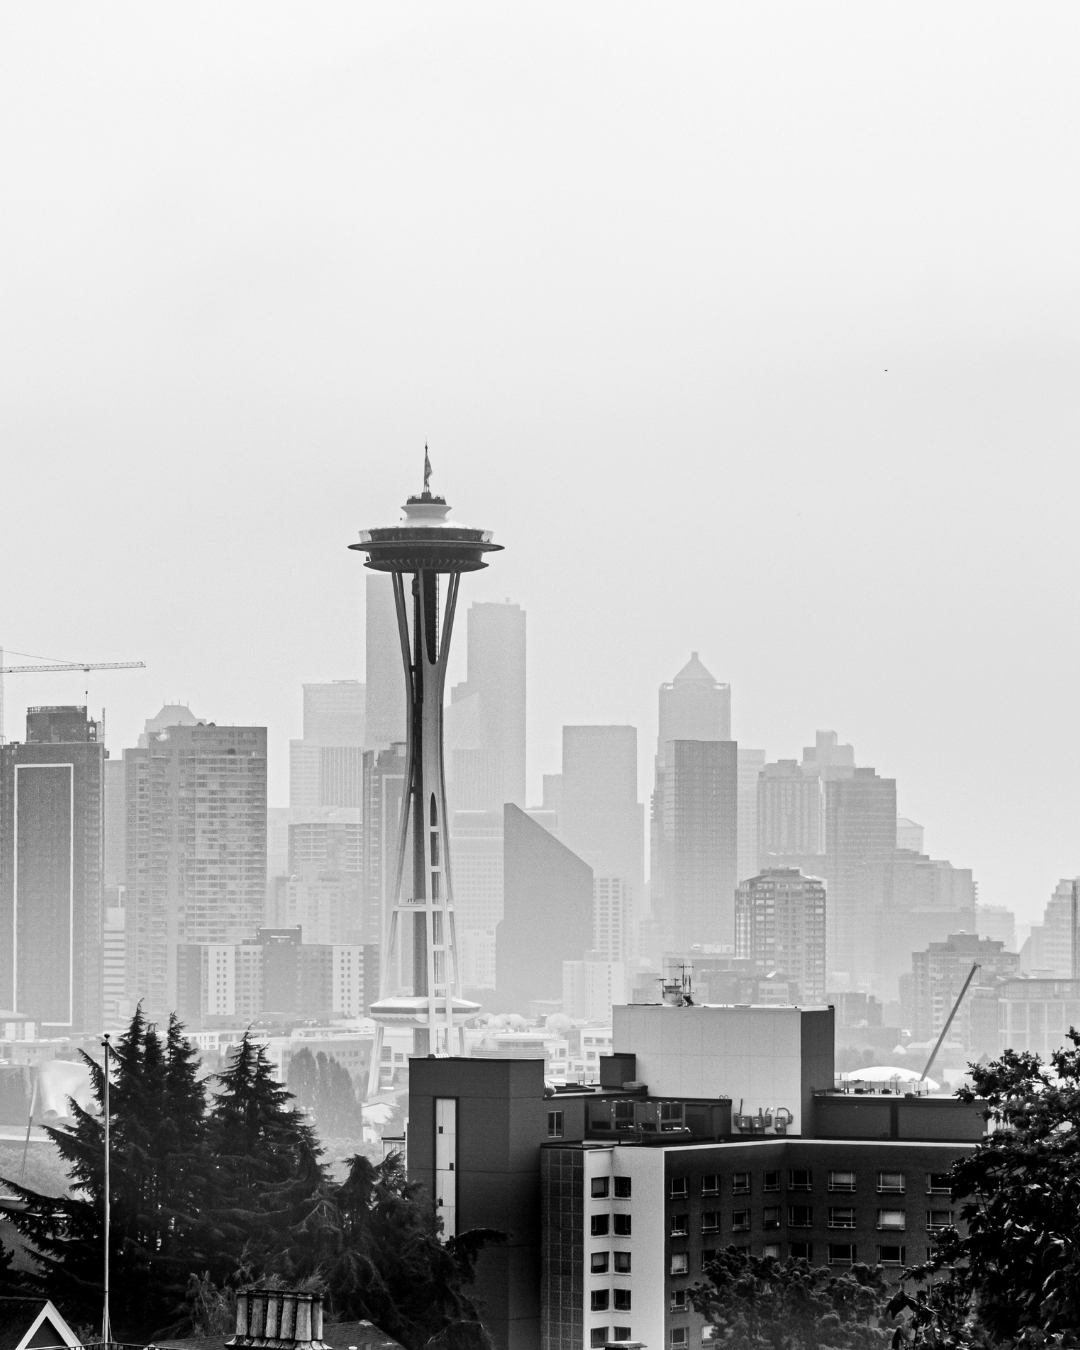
(52, 858)
(780, 927)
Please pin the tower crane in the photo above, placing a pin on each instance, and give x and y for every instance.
(85, 666)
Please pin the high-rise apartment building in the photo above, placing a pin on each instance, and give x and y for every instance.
(937, 977)
(384, 791)
(780, 927)
(321, 891)
(590, 989)
(384, 682)
(196, 849)
(997, 922)
(547, 913)
(52, 857)
(791, 818)
(693, 707)
(485, 722)
(859, 846)
(926, 900)
(613, 903)
(695, 843)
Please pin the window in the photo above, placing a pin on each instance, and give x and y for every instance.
(598, 1300)
(598, 1337)
(709, 1335)
(680, 1263)
(841, 1253)
(772, 1250)
(621, 1334)
(800, 1179)
(622, 1188)
(740, 1221)
(841, 1216)
(622, 1225)
(771, 1216)
(891, 1256)
(801, 1251)
(938, 1218)
(841, 1181)
(890, 1218)
(671, 1116)
(554, 1124)
(800, 1216)
(680, 1225)
(710, 1221)
(599, 1188)
(710, 1185)
(598, 1263)
(740, 1183)
(679, 1188)
(678, 1300)
(770, 1181)
(622, 1263)
(622, 1300)
(939, 1183)
(890, 1183)
(598, 1225)
(709, 1254)
(678, 1336)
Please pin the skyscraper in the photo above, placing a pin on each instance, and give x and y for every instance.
(859, 846)
(384, 793)
(751, 765)
(693, 707)
(196, 849)
(326, 766)
(385, 689)
(791, 818)
(780, 927)
(485, 723)
(51, 870)
(599, 815)
(547, 913)
(695, 834)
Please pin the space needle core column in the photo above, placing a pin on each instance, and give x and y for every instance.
(424, 546)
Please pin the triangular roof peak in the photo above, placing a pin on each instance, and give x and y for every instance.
(694, 672)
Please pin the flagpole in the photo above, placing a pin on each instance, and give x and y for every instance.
(106, 1327)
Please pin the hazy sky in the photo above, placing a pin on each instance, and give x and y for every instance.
(749, 328)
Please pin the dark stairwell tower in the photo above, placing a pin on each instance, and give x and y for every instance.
(424, 547)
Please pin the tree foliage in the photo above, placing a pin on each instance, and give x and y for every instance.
(759, 1303)
(215, 1184)
(1013, 1278)
(324, 1088)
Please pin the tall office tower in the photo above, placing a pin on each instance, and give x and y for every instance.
(695, 834)
(927, 900)
(326, 766)
(321, 891)
(196, 849)
(485, 722)
(425, 546)
(612, 912)
(590, 989)
(751, 765)
(547, 913)
(827, 758)
(599, 816)
(860, 840)
(385, 705)
(996, 922)
(1050, 949)
(780, 927)
(52, 849)
(476, 842)
(791, 818)
(909, 835)
(693, 707)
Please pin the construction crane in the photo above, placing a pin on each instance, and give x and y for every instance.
(85, 666)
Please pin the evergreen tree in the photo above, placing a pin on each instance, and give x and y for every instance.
(374, 1239)
(302, 1079)
(157, 1131)
(266, 1161)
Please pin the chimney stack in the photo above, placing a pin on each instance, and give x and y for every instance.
(278, 1319)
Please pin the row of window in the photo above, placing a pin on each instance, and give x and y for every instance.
(839, 1253)
(599, 1188)
(620, 1225)
(802, 1179)
(620, 1300)
(801, 1216)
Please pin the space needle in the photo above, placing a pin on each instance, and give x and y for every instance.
(425, 546)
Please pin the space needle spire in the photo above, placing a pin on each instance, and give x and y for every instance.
(424, 547)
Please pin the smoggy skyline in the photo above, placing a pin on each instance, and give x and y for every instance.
(751, 332)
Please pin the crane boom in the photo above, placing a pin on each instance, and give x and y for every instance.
(75, 665)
